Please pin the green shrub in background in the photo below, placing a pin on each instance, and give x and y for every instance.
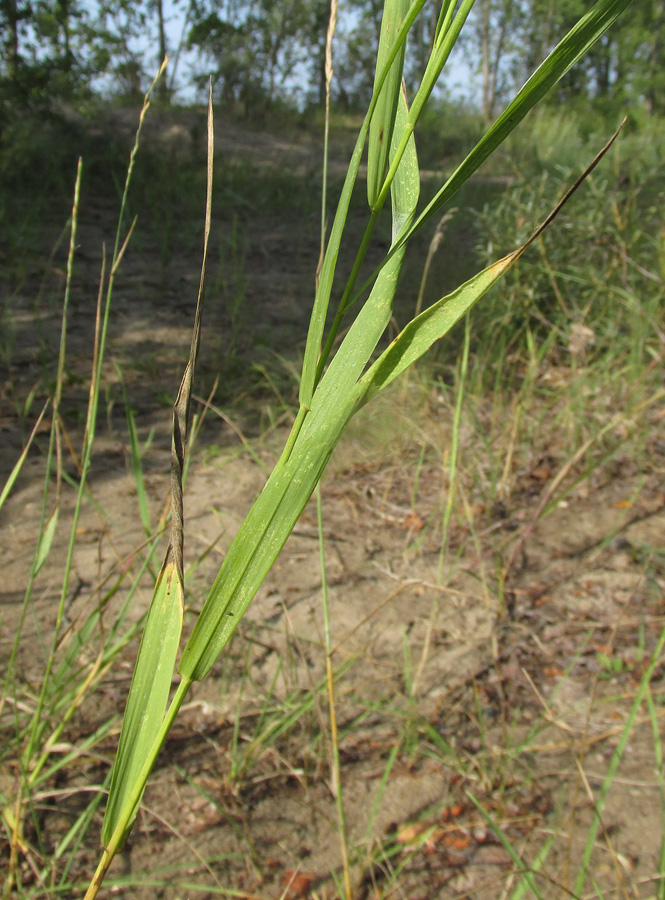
(601, 270)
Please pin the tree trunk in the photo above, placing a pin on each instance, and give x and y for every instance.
(63, 16)
(162, 87)
(485, 50)
(654, 98)
(11, 17)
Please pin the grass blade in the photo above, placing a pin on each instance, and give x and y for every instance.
(275, 513)
(16, 471)
(310, 373)
(46, 540)
(383, 120)
(436, 321)
(148, 695)
(525, 871)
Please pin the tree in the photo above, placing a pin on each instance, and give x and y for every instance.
(640, 59)
(11, 16)
(251, 47)
(626, 67)
(357, 37)
(491, 32)
(162, 87)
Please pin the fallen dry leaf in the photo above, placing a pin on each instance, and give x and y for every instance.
(412, 522)
(408, 833)
(297, 883)
(457, 841)
(452, 812)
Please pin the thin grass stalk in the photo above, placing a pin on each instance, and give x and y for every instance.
(445, 18)
(113, 644)
(335, 768)
(78, 831)
(38, 557)
(91, 421)
(14, 822)
(53, 445)
(302, 412)
(43, 518)
(523, 886)
(626, 732)
(334, 760)
(376, 803)
(151, 682)
(434, 245)
(438, 58)
(330, 34)
(119, 249)
(454, 449)
(660, 775)
(525, 871)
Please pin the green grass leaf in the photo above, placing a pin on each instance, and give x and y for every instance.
(383, 120)
(46, 541)
(275, 513)
(317, 322)
(148, 696)
(431, 325)
(16, 471)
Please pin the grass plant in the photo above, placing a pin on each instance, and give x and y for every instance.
(321, 417)
(345, 366)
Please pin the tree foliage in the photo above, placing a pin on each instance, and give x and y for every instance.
(263, 51)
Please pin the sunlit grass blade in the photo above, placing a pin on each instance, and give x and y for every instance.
(436, 321)
(383, 120)
(148, 695)
(16, 471)
(277, 509)
(46, 540)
